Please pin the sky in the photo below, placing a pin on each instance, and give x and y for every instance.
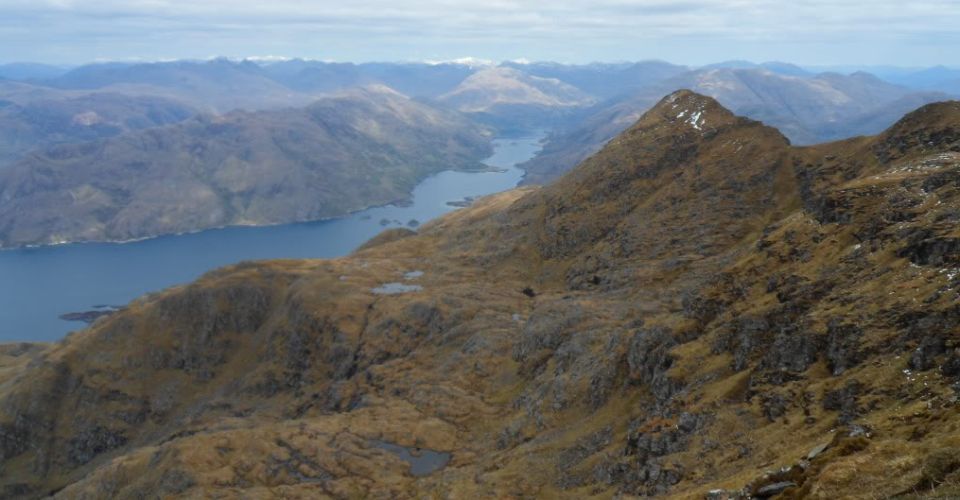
(809, 32)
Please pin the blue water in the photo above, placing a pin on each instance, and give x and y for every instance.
(423, 462)
(37, 285)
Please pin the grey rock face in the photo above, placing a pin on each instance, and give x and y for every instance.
(930, 331)
(774, 406)
(582, 449)
(817, 451)
(641, 469)
(951, 367)
(649, 360)
(15, 438)
(924, 356)
(202, 319)
(932, 251)
(844, 400)
(793, 350)
(742, 339)
(774, 489)
(546, 328)
(843, 346)
(93, 441)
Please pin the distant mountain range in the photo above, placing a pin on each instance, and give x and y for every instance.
(218, 85)
(30, 71)
(413, 79)
(86, 147)
(39, 123)
(938, 78)
(603, 80)
(511, 99)
(698, 311)
(341, 154)
(807, 109)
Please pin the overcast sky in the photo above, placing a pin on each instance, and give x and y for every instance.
(812, 32)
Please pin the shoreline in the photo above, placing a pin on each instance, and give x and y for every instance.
(539, 135)
(399, 203)
(44, 323)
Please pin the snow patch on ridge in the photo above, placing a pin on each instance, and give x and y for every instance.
(693, 113)
(696, 121)
(471, 62)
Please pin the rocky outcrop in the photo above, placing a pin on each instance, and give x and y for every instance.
(649, 360)
(679, 316)
(808, 110)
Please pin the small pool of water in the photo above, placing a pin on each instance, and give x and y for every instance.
(422, 461)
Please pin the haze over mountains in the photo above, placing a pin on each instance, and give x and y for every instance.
(516, 275)
(512, 99)
(700, 310)
(63, 118)
(808, 109)
(338, 155)
(45, 109)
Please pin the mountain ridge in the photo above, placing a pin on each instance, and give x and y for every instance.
(699, 310)
(345, 153)
(44, 123)
(510, 99)
(809, 110)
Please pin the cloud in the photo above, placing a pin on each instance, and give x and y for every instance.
(814, 30)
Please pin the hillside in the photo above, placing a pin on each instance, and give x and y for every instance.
(700, 310)
(30, 71)
(937, 78)
(412, 79)
(364, 148)
(509, 98)
(782, 68)
(603, 80)
(68, 118)
(807, 109)
(218, 85)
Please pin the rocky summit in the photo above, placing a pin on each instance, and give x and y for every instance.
(699, 310)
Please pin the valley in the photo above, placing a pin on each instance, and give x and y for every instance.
(436, 250)
(125, 151)
(43, 283)
(300, 278)
(364, 148)
(699, 310)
